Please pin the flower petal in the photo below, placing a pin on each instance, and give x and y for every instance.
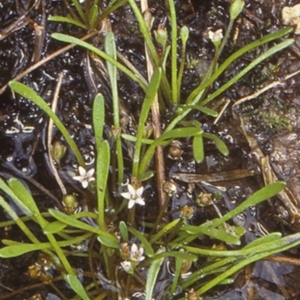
(84, 183)
(140, 201)
(81, 171)
(78, 178)
(139, 191)
(126, 195)
(131, 190)
(90, 173)
(141, 251)
(91, 179)
(131, 203)
(134, 249)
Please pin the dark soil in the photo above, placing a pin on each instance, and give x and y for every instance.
(23, 126)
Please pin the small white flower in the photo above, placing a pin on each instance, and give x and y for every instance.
(136, 254)
(85, 177)
(127, 266)
(215, 36)
(134, 196)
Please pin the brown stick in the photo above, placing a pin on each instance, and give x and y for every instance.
(159, 154)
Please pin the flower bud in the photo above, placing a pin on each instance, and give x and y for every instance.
(236, 8)
(58, 150)
(70, 204)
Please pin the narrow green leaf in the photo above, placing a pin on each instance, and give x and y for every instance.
(255, 62)
(110, 49)
(16, 218)
(102, 169)
(219, 143)
(179, 133)
(19, 249)
(93, 15)
(79, 10)
(291, 241)
(123, 231)
(67, 20)
(205, 110)
(98, 118)
(7, 190)
(148, 100)
(54, 227)
(22, 193)
(78, 224)
(193, 97)
(178, 265)
(264, 239)
(198, 149)
(108, 242)
(259, 196)
(30, 94)
(76, 286)
(152, 275)
(217, 233)
(174, 46)
(166, 229)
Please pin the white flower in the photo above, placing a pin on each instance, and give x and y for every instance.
(127, 266)
(84, 176)
(134, 196)
(215, 36)
(136, 254)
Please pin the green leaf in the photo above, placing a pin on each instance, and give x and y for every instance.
(254, 63)
(178, 265)
(93, 15)
(7, 190)
(259, 196)
(123, 231)
(79, 10)
(78, 224)
(179, 133)
(193, 97)
(108, 242)
(198, 149)
(67, 20)
(152, 275)
(54, 227)
(110, 49)
(19, 249)
(205, 110)
(28, 93)
(22, 193)
(264, 239)
(147, 103)
(102, 169)
(76, 286)
(98, 118)
(219, 143)
(166, 229)
(217, 233)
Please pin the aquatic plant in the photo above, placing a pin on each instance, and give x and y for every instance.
(129, 254)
